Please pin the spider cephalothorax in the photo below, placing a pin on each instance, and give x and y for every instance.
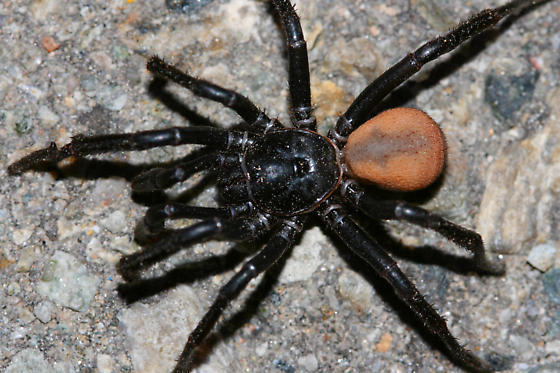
(273, 178)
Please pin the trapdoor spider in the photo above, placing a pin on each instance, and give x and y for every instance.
(273, 178)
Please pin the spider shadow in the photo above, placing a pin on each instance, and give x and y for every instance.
(157, 89)
(191, 271)
(185, 273)
(462, 264)
(250, 308)
(92, 169)
(426, 256)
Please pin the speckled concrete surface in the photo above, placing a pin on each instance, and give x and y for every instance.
(497, 100)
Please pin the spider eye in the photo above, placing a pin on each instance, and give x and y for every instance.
(400, 149)
(301, 167)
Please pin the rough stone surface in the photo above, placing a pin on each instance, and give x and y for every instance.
(29, 361)
(156, 332)
(497, 101)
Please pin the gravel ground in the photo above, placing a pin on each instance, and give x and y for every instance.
(72, 67)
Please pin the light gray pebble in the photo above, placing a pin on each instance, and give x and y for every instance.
(542, 256)
(25, 316)
(20, 236)
(105, 363)
(29, 360)
(522, 346)
(67, 282)
(157, 332)
(89, 85)
(261, 349)
(43, 311)
(26, 258)
(113, 98)
(116, 222)
(308, 362)
(67, 227)
(105, 192)
(123, 244)
(304, 259)
(13, 288)
(47, 116)
(356, 289)
(553, 347)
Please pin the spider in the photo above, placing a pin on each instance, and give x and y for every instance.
(273, 179)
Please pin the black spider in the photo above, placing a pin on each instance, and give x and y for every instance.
(272, 179)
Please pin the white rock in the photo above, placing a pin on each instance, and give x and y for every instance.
(157, 332)
(67, 282)
(542, 256)
(304, 259)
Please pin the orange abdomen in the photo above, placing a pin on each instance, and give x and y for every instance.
(400, 149)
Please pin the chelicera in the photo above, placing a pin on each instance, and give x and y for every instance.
(273, 178)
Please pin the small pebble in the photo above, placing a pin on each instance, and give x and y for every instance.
(105, 363)
(67, 282)
(521, 346)
(20, 236)
(553, 347)
(305, 257)
(25, 316)
(542, 256)
(112, 98)
(43, 311)
(47, 116)
(309, 362)
(29, 360)
(117, 222)
(384, 344)
(355, 288)
(49, 44)
(26, 258)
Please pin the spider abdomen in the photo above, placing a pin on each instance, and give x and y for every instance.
(291, 171)
(400, 149)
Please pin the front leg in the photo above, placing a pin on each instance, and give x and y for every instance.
(299, 82)
(81, 145)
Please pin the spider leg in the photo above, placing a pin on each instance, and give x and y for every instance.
(177, 239)
(300, 88)
(231, 99)
(162, 178)
(335, 217)
(155, 217)
(359, 111)
(154, 220)
(400, 210)
(85, 145)
(274, 249)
